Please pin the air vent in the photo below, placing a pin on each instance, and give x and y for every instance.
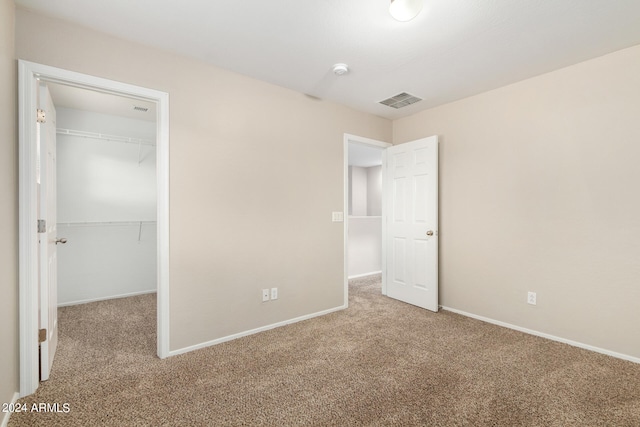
(401, 100)
(143, 109)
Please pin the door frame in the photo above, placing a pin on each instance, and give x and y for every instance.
(28, 75)
(354, 139)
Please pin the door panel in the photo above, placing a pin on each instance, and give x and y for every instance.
(48, 254)
(398, 200)
(399, 257)
(420, 252)
(421, 197)
(412, 228)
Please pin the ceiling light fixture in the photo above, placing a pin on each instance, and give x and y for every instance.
(340, 69)
(405, 10)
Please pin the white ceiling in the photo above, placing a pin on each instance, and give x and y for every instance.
(99, 102)
(453, 49)
(364, 156)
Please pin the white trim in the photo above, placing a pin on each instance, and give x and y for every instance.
(345, 225)
(254, 331)
(385, 228)
(29, 72)
(162, 229)
(357, 276)
(348, 138)
(7, 415)
(545, 335)
(86, 301)
(27, 231)
(366, 141)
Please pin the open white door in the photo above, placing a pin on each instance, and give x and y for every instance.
(411, 210)
(47, 233)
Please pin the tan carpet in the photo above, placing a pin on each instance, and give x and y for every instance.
(381, 362)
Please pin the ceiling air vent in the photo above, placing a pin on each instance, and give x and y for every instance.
(143, 109)
(401, 100)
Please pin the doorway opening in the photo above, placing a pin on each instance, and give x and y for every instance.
(409, 249)
(363, 208)
(105, 198)
(365, 211)
(79, 212)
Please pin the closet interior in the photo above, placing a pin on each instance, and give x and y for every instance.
(106, 195)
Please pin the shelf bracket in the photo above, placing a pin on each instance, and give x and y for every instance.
(139, 152)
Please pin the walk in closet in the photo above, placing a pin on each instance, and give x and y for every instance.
(106, 205)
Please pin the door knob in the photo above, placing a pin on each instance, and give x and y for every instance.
(61, 240)
(430, 233)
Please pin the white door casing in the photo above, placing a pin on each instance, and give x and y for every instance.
(411, 210)
(48, 238)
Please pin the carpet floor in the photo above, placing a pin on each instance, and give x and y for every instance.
(380, 362)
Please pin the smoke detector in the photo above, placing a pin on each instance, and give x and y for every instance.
(340, 69)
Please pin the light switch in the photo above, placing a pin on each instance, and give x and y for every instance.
(337, 217)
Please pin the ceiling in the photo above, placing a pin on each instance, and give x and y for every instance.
(364, 156)
(453, 49)
(99, 102)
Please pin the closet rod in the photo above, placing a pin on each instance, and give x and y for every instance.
(102, 223)
(139, 153)
(105, 137)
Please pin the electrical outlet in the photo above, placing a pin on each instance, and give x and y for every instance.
(265, 295)
(274, 293)
(531, 298)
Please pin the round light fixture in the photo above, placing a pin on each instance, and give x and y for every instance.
(405, 10)
(340, 69)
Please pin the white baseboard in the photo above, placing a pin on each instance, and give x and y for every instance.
(7, 415)
(85, 301)
(544, 335)
(357, 276)
(254, 331)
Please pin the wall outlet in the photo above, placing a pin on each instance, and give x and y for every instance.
(531, 298)
(274, 293)
(265, 295)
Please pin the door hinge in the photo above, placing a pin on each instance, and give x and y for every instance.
(42, 335)
(41, 116)
(42, 226)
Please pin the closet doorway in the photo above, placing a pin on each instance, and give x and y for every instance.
(37, 280)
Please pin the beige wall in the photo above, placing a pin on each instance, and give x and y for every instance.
(256, 171)
(540, 191)
(8, 208)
